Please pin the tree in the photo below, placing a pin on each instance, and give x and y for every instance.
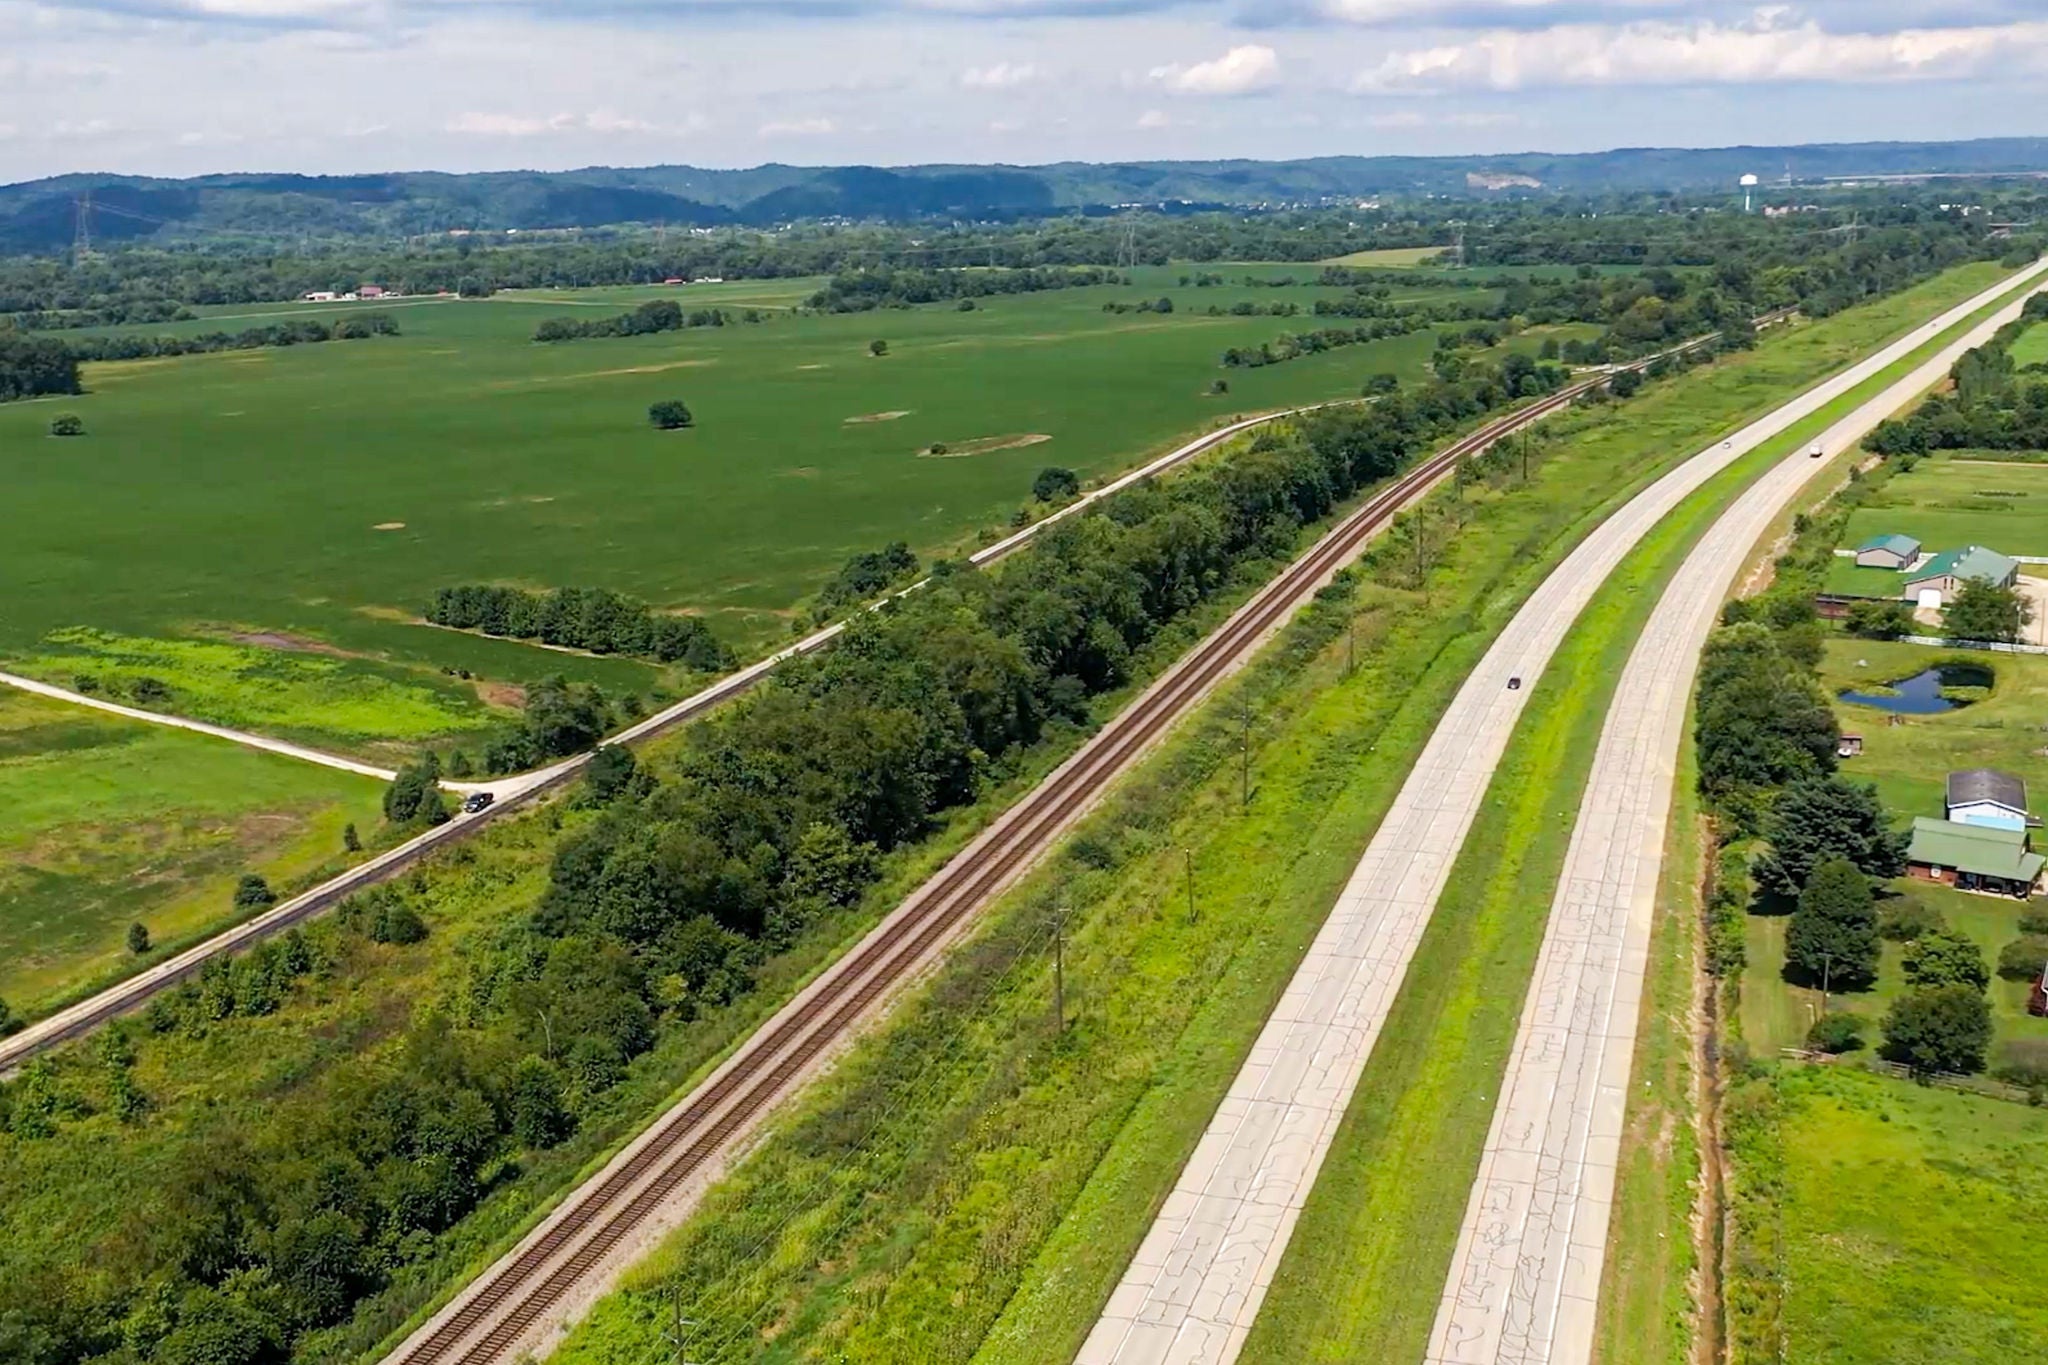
(539, 1118)
(1836, 1033)
(319, 1265)
(1164, 305)
(351, 840)
(878, 348)
(1818, 818)
(1054, 483)
(1982, 610)
(138, 939)
(1941, 1028)
(613, 772)
(67, 424)
(1625, 384)
(8, 1023)
(1381, 384)
(671, 414)
(415, 794)
(1880, 620)
(1763, 720)
(1943, 957)
(1832, 939)
(253, 893)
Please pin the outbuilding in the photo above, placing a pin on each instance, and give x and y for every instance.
(1887, 552)
(1996, 862)
(1935, 583)
(1987, 797)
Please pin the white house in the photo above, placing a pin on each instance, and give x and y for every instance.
(1989, 798)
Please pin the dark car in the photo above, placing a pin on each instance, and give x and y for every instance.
(477, 801)
(1515, 684)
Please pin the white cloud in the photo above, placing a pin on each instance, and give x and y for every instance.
(801, 127)
(1415, 118)
(520, 125)
(1765, 48)
(1001, 76)
(1153, 119)
(1240, 71)
(1468, 12)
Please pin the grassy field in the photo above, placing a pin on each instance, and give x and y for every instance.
(2032, 347)
(106, 822)
(1949, 503)
(1906, 1218)
(1364, 1270)
(1389, 256)
(315, 496)
(1012, 1177)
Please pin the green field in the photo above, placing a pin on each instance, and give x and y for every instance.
(1904, 1220)
(316, 495)
(106, 822)
(2032, 347)
(1389, 256)
(1947, 504)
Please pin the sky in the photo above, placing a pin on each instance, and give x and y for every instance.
(183, 87)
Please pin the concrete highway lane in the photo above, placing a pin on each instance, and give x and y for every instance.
(1524, 1284)
(1197, 1280)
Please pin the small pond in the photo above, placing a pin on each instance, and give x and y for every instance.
(1924, 694)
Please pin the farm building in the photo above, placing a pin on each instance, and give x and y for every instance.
(1887, 552)
(1996, 862)
(1987, 797)
(1934, 583)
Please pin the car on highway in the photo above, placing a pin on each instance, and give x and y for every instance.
(1818, 451)
(477, 802)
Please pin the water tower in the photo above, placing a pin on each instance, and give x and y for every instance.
(1749, 183)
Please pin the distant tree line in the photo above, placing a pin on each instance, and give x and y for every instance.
(298, 332)
(890, 287)
(593, 619)
(1293, 345)
(112, 314)
(660, 315)
(1994, 404)
(31, 367)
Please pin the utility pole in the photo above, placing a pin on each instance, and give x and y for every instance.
(682, 1329)
(1827, 967)
(1059, 967)
(1244, 751)
(1189, 855)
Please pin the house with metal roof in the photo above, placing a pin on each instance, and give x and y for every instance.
(1888, 552)
(1985, 796)
(1997, 862)
(1935, 583)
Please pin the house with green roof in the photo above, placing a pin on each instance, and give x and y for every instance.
(1887, 552)
(1935, 583)
(1996, 862)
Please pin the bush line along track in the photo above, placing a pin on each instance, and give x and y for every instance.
(511, 793)
(560, 1258)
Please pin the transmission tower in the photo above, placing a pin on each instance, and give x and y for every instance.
(81, 232)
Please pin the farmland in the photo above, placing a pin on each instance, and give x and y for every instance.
(2032, 347)
(1949, 503)
(316, 495)
(107, 822)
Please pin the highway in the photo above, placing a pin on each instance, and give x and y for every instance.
(1524, 1285)
(509, 793)
(573, 1256)
(1197, 1280)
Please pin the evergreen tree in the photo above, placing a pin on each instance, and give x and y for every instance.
(1819, 818)
(1832, 939)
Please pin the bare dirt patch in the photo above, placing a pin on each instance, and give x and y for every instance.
(389, 526)
(867, 417)
(296, 644)
(532, 381)
(985, 445)
(507, 695)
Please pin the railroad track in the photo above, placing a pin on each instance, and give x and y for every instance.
(498, 1313)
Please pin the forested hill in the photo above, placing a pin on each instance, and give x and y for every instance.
(41, 215)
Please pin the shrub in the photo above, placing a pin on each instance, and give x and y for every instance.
(878, 348)
(2023, 1062)
(671, 414)
(1054, 483)
(253, 893)
(1905, 918)
(2023, 958)
(1946, 1028)
(1836, 1033)
(351, 840)
(1219, 386)
(1880, 620)
(67, 424)
(1625, 384)
(150, 691)
(138, 938)
(1943, 957)
(2034, 921)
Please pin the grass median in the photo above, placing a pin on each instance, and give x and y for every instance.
(1366, 1265)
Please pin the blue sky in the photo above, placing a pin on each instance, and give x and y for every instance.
(181, 87)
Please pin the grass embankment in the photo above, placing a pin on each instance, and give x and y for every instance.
(1893, 1224)
(106, 822)
(1365, 1268)
(1006, 1173)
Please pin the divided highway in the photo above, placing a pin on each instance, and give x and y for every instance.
(574, 1255)
(1524, 1284)
(1196, 1283)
